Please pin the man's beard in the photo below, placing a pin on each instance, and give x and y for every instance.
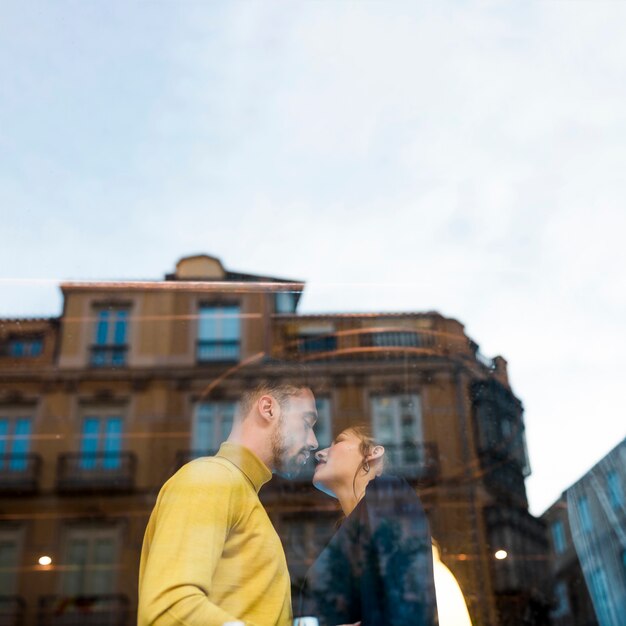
(285, 466)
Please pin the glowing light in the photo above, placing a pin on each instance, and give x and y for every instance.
(501, 554)
(45, 560)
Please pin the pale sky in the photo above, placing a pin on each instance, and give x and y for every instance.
(463, 157)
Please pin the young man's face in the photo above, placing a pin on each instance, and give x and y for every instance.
(294, 437)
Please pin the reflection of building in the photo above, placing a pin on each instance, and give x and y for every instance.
(588, 546)
(100, 406)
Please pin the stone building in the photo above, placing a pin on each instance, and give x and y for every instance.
(99, 406)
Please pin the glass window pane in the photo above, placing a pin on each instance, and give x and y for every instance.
(103, 551)
(599, 594)
(202, 437)
(101, 578)
(585, 513)
(89, 442)
(558, 536)
(121, 324)
(8, 566)
(16, 348)
(36, 347)
(207, 325)
(74, 575)
(4, 433)
(21, 444)
(230, 323)
(615, 489)
(323, 429)
(227, 413)
(218, 333)
(113, 442)
(102, 328)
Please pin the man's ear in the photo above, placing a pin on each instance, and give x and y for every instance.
(267, 407)
(376, 453)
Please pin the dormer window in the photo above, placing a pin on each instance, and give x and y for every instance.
(24, 347)
(110, 337)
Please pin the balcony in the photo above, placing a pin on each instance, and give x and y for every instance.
(377, 342)
(88, 610)
(112, 355)
(19, 473)
(112, 472)
(308, 344)
(212, 351)
(12, 609)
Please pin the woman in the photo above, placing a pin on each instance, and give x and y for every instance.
(378, 567)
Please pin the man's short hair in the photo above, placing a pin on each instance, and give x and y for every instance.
(284, 382)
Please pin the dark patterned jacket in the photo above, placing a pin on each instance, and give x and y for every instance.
(378, 567)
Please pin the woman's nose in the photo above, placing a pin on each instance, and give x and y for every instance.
(321, 455)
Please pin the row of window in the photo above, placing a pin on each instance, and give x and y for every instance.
(599, 590)
(219, 333)
(89, 555)
(396, 419)
(23, 347)
(615, 495)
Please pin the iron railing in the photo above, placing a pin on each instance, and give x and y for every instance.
(108, 355)
(12, 610)
(96, 471)
(19, 473)
(208, 351)
(85, 610)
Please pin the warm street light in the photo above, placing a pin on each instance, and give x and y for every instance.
(501, 554)
(45, 560)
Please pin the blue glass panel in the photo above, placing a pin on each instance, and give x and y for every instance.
(207, 325)
(36, 347)
(230, 323)
(205, 427)
(4, 433)
(121, 324)
(585, 513)
(89, 444)
(285, 302)
(113, 443)
(323, 431)
(102, 328)
(21, 444)
(615, 490)
(17, 348)
(558, 536)
(599, 595)
(227, 414)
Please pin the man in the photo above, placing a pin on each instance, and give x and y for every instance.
(210, 553)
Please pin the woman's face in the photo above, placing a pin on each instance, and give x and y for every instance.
(338, 464)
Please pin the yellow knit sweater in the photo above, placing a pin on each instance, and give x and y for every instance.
(210, 553)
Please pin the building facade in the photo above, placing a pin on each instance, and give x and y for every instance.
(99, 406)
(588, 546)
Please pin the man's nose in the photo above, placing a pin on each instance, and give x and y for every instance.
(313, 445)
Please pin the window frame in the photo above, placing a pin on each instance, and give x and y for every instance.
(86, 577)
(218, 425)
(109, 345)
(227, 348)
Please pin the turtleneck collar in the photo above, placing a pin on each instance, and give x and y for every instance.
(249, 463)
